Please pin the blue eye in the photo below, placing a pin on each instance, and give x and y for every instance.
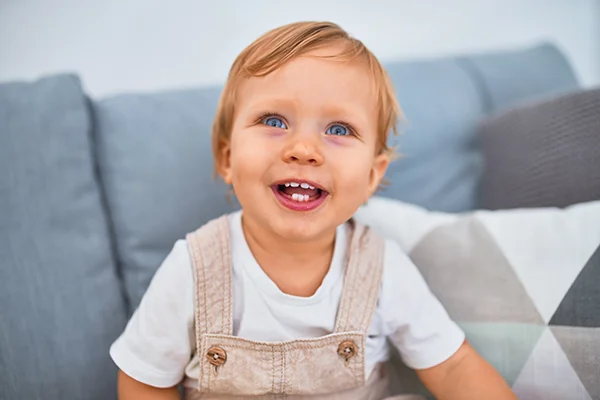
(338, 130)
(275, 122)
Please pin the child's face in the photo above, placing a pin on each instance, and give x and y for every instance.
(313, 121)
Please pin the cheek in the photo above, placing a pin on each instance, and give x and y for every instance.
(250, 153)
(353, 175)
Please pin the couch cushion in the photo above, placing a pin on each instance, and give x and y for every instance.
(156, 160)
(521, 283)
(442, 105)
(543, 154)
(157, 168)
(61, 303)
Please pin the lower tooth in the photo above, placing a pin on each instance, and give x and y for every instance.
(300, 197)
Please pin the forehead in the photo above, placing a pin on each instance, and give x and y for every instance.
(312, 81)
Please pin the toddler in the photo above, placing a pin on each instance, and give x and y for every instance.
(289, 297)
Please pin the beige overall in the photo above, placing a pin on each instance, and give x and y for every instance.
(328, 367)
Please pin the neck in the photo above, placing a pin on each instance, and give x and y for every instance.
(296, 267)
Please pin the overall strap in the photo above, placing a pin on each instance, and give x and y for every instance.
(209, 249)
(362, 281)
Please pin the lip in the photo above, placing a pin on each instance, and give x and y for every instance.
(299, 205)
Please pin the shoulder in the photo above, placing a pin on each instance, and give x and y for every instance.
(179, 254)
(175, 271)
(399, 271)
(402, 282)
(180, 251)
(400, 276)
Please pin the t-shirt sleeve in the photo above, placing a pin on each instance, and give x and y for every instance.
(158, 341)
(417, 323)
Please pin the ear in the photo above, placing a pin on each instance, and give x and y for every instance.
(225, 162)
(380, 166)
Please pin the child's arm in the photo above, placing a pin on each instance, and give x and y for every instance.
(427, 338)
(159, 340)
(130, 389)
(465, 376)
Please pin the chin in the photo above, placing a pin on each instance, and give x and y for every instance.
(300, 227)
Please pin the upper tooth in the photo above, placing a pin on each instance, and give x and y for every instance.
(311, 187)
(294, 184)
(304, 185)
(287, 185)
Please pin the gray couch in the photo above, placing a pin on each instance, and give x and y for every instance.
(93, 194)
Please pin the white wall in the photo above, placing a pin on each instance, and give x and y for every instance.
(132, 45)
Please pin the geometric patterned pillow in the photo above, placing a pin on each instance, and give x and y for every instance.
(542, 154)
(523, 284)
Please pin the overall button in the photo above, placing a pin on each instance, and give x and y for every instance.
(216, 356)
(347, 349)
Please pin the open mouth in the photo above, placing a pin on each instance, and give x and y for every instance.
(299, 195)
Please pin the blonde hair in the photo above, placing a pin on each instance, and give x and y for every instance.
(278, 46)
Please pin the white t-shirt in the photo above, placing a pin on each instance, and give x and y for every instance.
(159, 342)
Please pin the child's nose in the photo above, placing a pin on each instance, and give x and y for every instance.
(303, 152)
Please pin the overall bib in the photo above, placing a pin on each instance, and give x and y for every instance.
(323, 368)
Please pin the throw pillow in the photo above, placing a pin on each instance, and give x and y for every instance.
(543, 155)
(523, 284)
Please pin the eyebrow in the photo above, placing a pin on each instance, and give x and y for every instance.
(271, 102)
(335, 111)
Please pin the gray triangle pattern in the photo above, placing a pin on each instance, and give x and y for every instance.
(581, 348)
(470, 254)
(548, 375)
(581, 304)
